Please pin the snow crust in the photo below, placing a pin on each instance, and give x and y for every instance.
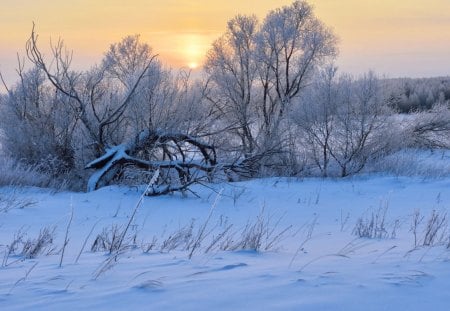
(318, 264)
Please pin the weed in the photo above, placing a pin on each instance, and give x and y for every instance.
(85, 241)
(181, 238)
(107, 240)
(13, 200)
(258, 235)
(416, 221)
(66, 237)
(431, 231)
(13, 247)
(202, 231)
(147, 247)
(344, 220)
(22, 279)
(375, 226)
(435, 228)
(42, 244)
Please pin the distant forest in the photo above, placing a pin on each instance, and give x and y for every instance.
(421, 94)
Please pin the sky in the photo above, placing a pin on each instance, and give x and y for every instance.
(396, 38)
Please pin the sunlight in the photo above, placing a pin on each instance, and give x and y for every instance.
(193, 65)
(194, 47)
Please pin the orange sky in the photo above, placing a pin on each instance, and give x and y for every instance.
(393, 37)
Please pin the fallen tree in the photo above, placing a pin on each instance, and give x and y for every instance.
(190, 158)
(183, 160)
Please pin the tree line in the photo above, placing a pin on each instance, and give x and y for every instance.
(271, 102)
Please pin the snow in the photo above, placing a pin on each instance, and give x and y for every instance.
(110, 157)
(316, 264)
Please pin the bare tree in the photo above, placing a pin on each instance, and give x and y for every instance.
(343, 123)
(100, 108)
(258, 70)
(291, 43)
(231, 68)
(125, 60)
(361, 124)
(38, 128)
(316, 117)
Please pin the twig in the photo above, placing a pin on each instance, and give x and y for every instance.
(85, 240)
(66, 238)
(23, 278)
(383, 253)
(138, 204)
(298, 251)
(321, 257)
(200, 235)
(109, 262)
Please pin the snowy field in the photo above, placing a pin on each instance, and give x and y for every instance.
(271, 244)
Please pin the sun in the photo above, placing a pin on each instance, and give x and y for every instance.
(193, 50)
(193, 65)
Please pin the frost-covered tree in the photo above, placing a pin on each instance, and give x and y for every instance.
(316, 117)
(408, 95)
(362, 124)
(231, 70)
(269, 104)
(37, 127)
(291, 44)
(101, 106)
(256, 70)
(125, 60)
(344, 123)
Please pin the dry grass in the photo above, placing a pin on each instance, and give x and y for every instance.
(375, 225)
(42, 244)
(12, 199)
(430, 231)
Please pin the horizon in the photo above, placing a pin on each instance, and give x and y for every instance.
(396, 40)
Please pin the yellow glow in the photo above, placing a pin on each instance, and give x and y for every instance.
(402, 37)
(193, 50)
(193, 65)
